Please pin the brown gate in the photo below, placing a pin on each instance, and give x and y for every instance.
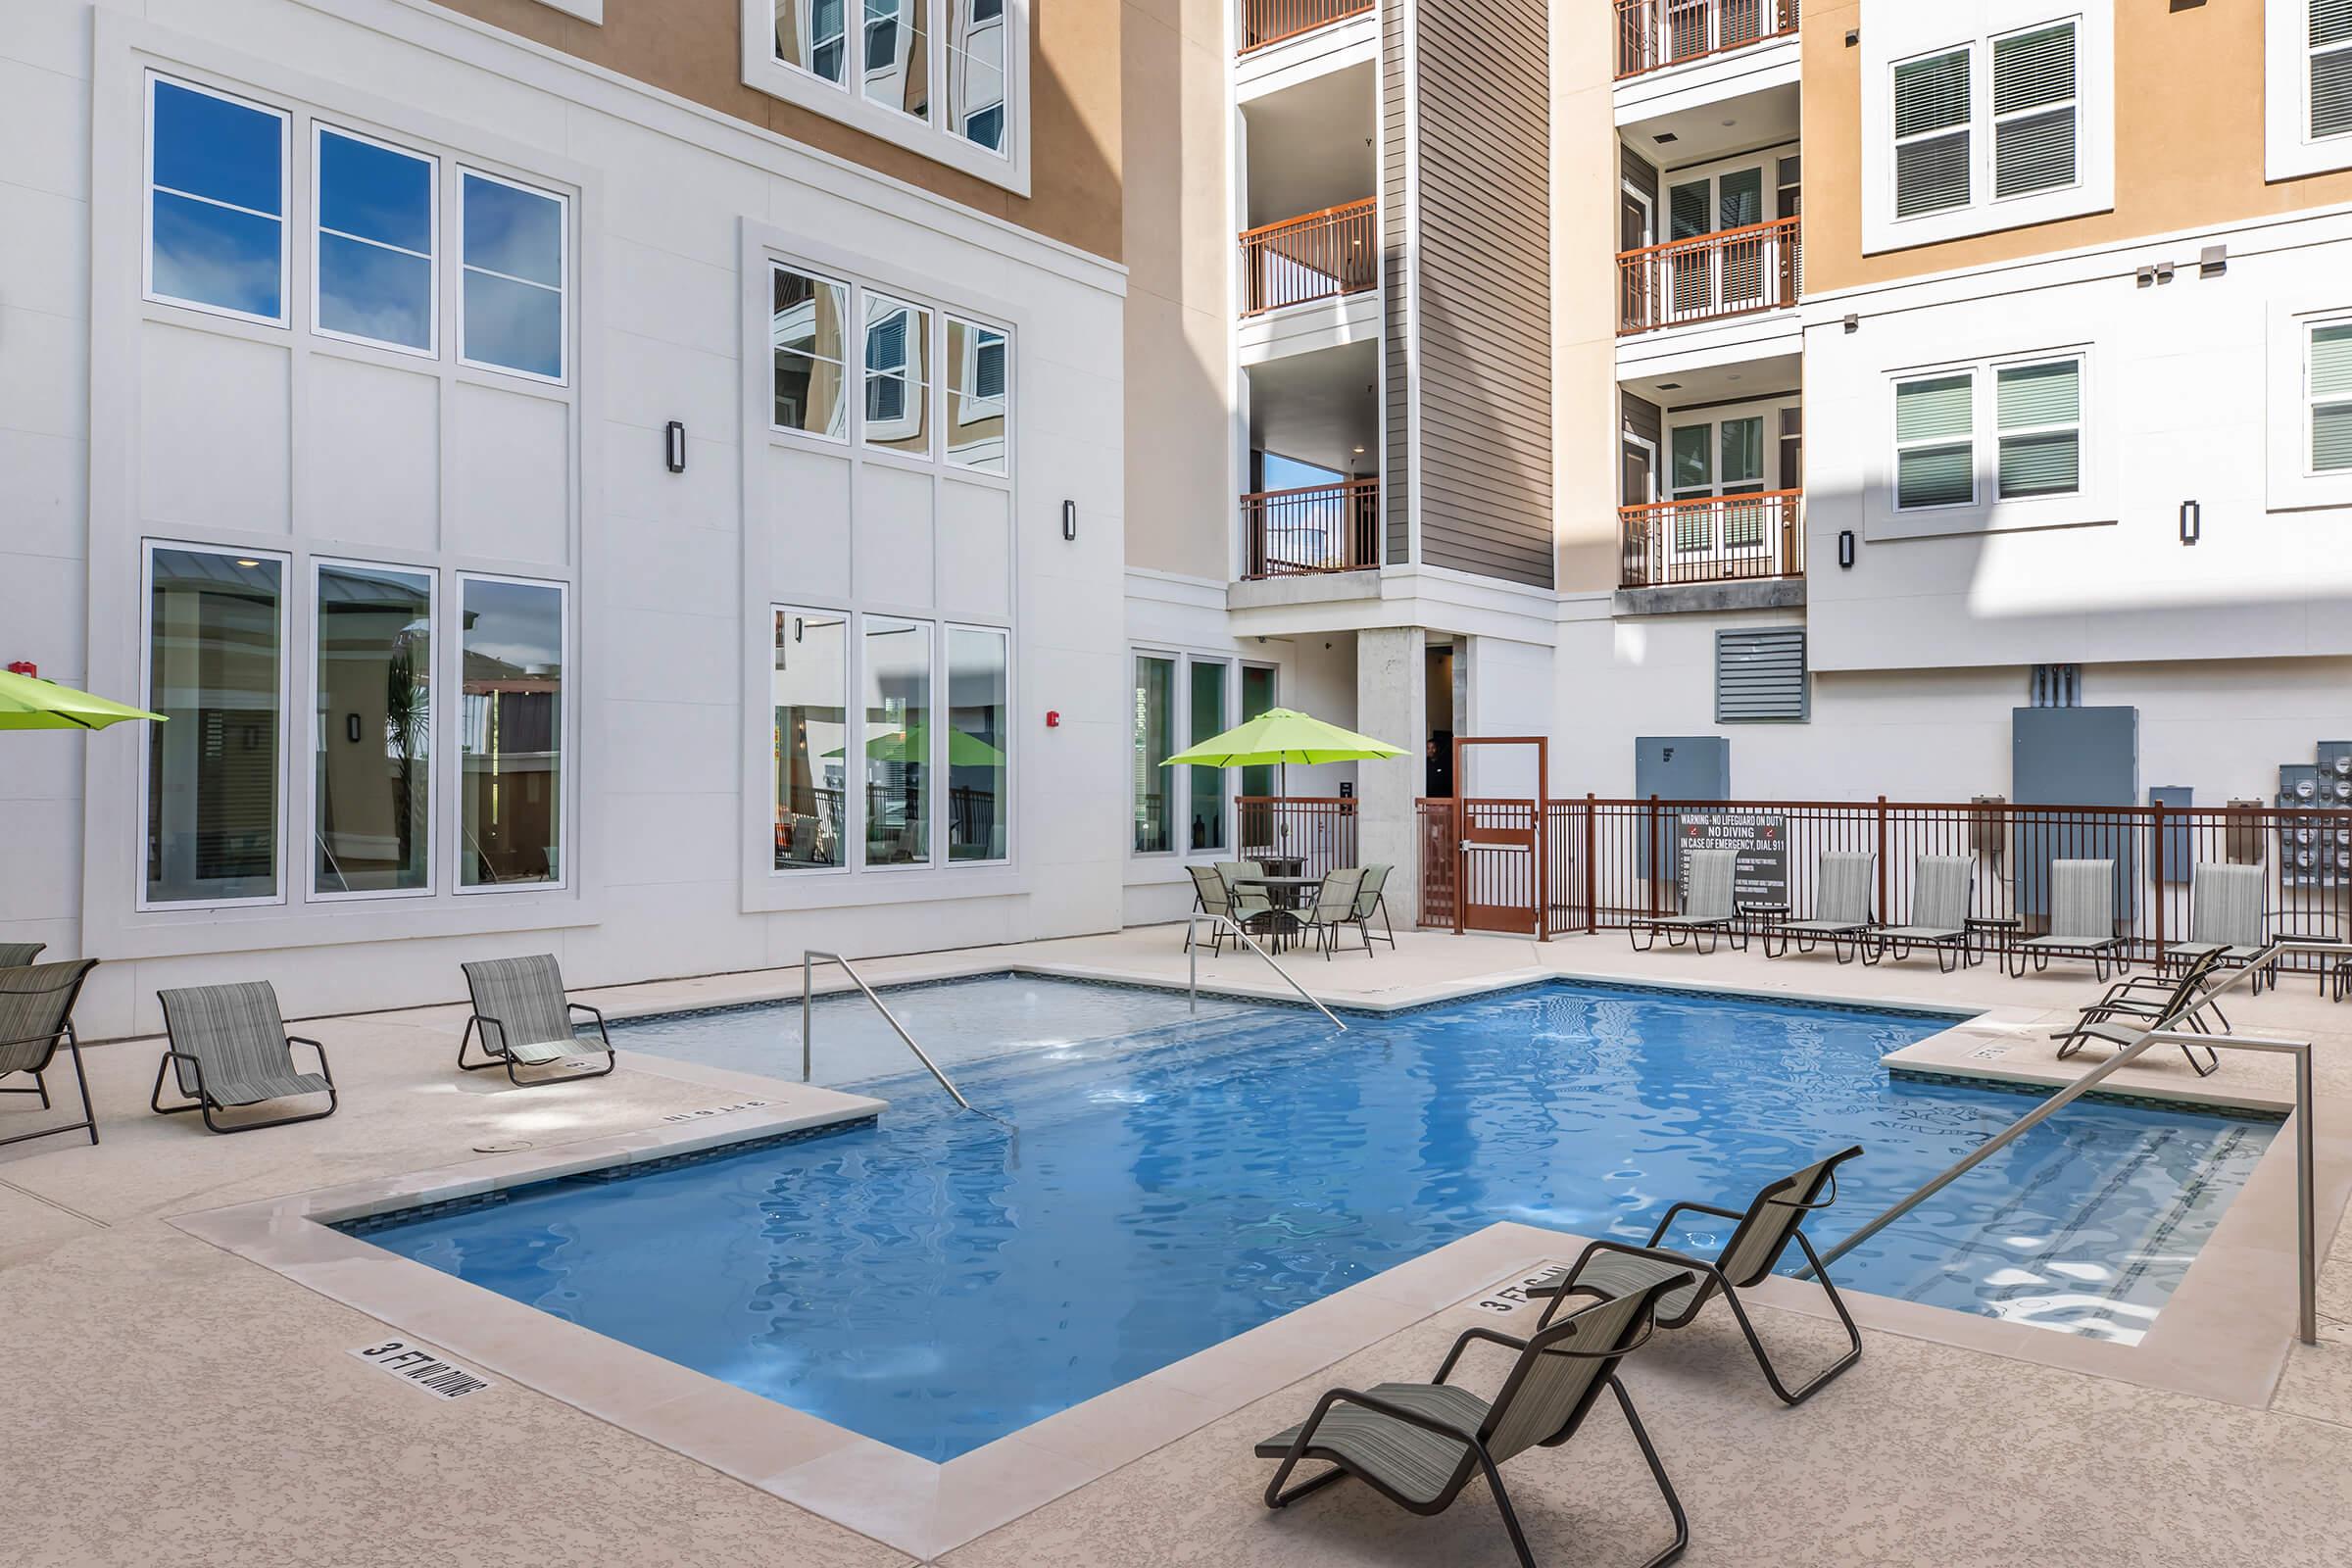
(1500, 866)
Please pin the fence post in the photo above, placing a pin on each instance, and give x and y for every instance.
(1592, 866)
(1654, 867)
(2157, 858)
(1885, 914)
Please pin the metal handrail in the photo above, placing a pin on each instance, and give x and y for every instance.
(2157, 1034)
(808, 962)
(1191, 948)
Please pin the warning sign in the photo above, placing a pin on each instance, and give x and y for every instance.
(1761, 839)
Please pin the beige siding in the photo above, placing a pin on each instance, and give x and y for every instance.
(1395, 279)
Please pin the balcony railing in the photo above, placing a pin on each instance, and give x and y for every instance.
(1316, 527)
(1652, 34)
(1319, 255)
(1735, 271)
(1268, 22)
(1713, 539)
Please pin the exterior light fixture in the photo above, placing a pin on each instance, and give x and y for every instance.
(674, 437)
(1846, 549)
(2192, 523)
(1069, 519)
(1853, 324)
(2213, 260)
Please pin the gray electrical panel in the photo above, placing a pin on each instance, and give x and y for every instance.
(1677, 767)
(2074, 757)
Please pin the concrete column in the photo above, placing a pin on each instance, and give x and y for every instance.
(1391, 704)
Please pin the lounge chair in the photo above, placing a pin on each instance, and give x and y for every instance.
(1372, 899)
(1841, 908)
(2131, 1008)
(19, 955)
(1707, 905)
(2081, 919)
(231, 1049)
(1941, 888)
(37, 1016)
(1334, 910)
(2225, 919)
(1774, 1218)
(526, 1021)
(1418, 1445)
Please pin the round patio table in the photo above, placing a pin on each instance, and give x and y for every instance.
(1285, 893)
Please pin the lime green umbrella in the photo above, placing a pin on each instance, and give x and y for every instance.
(1281, 736)
(26, 701)
(964, 749)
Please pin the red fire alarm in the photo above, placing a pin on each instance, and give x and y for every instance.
(1053, 718)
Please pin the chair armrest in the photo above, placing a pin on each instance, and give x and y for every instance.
(1665, 1221)
(1471, 1337)
(597, 1013)
(1395, 1412)
(305, 1040)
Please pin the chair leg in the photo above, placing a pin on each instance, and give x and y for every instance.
(1657, 1473)
(1276, 1497)
(1503, 1503)
(1804, 1391)
(154, 1101)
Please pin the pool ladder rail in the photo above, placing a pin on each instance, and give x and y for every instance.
(2161, 1031)
(1192, 951)
(808, 962)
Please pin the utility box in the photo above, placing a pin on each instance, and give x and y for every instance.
(2088, 757)
(2178, 851)
(2242, 841)
(1677, 768)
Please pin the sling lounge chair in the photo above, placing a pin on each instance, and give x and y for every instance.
(1707, 907)
(1372, 899)
(231, 1049)
(2224, 917)
(1418, 1445)
(2131, 1008)
(1773, 1219)
(1334, 910)
(18, 955)
(2081, 919)
(1841, 908)
(37, 1016)
(526, 1021)
(1941, 890)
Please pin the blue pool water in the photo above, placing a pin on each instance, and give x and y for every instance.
(934, 1285)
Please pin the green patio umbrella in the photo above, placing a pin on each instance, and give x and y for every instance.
(964, 749)
(1279, 737)
(26, 701)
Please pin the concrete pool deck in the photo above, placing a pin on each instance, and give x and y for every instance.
(152, 1367)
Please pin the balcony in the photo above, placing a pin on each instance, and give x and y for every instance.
(1312, 529)
(1708, 277)
(1319, 255)
(1745, 538)
(1653, 34)
(1270, 22)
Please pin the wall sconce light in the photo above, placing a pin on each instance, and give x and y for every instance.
(2192, 523)
(674, 437)
(1853, 324)
(1069, 519)
(1853, 37)
(1846, 549)
(351, 728)
(2213, 260)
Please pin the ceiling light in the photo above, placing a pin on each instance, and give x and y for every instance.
(248, 562)
(1359, 451)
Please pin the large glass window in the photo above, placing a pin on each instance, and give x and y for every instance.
(897, 741)
(897, 375)
(896, 70)
(376, 242)
(515, 278)
(1935, 441)
(978, 397)
(215, 635)
(1154, 744)
(1257, 695)
(217, 202)
(976, 99)
(1207, 787)
(804, 327)
(809, 691)
(512, 733)
(2328, 391)
(813, 35)
(371, 780)
(978, 731)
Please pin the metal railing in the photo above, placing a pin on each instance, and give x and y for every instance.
(1652, 34)
(1713, 539)
(1707, 277)
(1192, 950)
(1311, 528)
(1315, 255)
(2158, 1034)
(808, 962)
(1318, 831)
(1270, 22)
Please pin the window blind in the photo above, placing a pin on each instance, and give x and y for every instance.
(1933, 427)
(2331, 68)
(2331, 398)
(2032, 399)
(2033, 111)
(1931, 133)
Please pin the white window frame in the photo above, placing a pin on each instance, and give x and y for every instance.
(1995, 120)
(932, 861)
(2288, 150)
(1180, 783)
(466, 170)
(284, 216)
(2293, 482)
(1976, 438)
(2079, 425)
(567, 793)
(1988, 513)
(148, 546)
(322, 129)
(948, 629)
(930, 397)
(852, 349)
(932, 139)
(1900, 35)
(853, 804)
(435, 580)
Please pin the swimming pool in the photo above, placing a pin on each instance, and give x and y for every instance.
(934, 1284)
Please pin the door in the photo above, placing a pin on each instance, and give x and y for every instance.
(1739, 204)
(1500, 881)
(1637, 486)
(1635, 228)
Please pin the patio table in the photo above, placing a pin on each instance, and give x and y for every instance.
(1286, 894)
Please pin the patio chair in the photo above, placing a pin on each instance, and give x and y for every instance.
(1334, 910)
(1372, 899)
(1253, 908)
(2132, 1007)
(1941, 888)
(525, 1019)
(2225, 919)
(1418, 1445)
(1841, 908)
(1774, 1218)
(37, 1016)
(2081, 919)
(1707, 907)
(18, 955)
(229, 1048)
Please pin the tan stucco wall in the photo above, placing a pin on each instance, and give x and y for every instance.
(2189, 97)
(1178, 241)
(693, 48)
(1584, 320)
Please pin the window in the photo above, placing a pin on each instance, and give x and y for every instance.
(217, 202)
(898, 381)
(375, 236)
(2328, 392)
(1935, 442)
(1723, 458)
(2328, 111)
(978, 731)
(2033, 111)
(1154, 744)
(976, 71)
(809, 693)
(371, 779)
(515, 278)
(1931, 111)
(897, 741)
(898, 72)
(811, 354)
(976, 395)
(2040, 417)
(811, 35)
(1207, 786)
(511, 733)
(1760, 675)
(216, 630)
(1257, 696)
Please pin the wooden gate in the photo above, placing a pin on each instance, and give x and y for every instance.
(1500, 866)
